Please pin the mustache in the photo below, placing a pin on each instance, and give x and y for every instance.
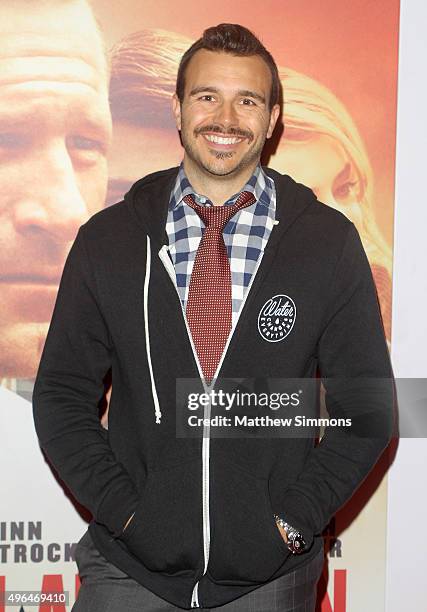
(217, 129)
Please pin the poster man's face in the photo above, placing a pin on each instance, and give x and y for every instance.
(225, 118)
(55, 129)
(128, 158)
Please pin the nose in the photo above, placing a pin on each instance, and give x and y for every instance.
(226, 114)
(50, 203)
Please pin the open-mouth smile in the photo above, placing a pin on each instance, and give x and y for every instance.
(223, 141)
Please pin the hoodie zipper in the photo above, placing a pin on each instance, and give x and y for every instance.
(165, 258)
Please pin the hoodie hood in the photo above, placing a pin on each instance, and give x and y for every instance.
(148, 201)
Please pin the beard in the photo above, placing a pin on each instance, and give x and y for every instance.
(215, 162)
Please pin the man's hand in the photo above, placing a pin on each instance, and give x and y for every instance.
(282, 532)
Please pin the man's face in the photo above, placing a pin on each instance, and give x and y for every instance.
(55, 129)
(225, 118)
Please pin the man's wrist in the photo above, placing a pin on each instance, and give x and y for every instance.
(294, 538)
(281, 529)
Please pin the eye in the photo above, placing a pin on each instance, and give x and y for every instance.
(12, 140)
(207, 98)
(86, 144)
(347, 187)
(347, 192)
(86, 150)
(248, 102)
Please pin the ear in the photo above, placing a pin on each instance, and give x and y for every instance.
(274, 115)
(176, 109)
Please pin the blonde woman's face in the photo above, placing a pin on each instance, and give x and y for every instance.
(321, 164)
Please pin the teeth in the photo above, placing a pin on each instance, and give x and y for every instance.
(221, 140)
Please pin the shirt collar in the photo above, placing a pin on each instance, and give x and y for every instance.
(258, 184)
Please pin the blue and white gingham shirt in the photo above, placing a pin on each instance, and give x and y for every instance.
(245, 235)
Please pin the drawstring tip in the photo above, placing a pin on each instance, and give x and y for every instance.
(158, 418)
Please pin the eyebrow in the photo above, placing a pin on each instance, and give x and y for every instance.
(18, 119)
(345, 173)
(247, 93)
(242, 92)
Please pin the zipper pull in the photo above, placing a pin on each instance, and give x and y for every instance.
(194, 600)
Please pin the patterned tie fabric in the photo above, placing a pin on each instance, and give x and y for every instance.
(209, 308)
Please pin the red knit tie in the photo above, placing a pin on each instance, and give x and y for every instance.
(209, 308)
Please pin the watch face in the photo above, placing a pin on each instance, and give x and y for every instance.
(298, 543)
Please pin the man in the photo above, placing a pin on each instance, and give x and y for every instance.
(54, 135)
(143, 76)
(55, 131)
(218, 268)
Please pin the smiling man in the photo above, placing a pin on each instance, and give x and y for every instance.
(224, 117)
(217, 269)
(55, 128)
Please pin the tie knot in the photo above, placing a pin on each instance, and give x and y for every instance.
(219, 216)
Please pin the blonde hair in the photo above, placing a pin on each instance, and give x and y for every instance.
(144, 65)
(310, 109)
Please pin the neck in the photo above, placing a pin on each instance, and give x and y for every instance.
(217, 188)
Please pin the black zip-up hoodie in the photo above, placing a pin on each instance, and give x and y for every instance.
(203, 532)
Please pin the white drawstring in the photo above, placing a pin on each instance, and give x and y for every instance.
(147, 333)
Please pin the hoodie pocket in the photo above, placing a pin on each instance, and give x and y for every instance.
(246, 544)
(165, 533)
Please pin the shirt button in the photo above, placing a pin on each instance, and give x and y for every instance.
(203, 200)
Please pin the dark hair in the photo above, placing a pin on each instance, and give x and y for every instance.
(236, 40)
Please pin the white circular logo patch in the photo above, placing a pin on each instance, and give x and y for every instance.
(276, 318)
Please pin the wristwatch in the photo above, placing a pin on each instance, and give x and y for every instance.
(296, 542)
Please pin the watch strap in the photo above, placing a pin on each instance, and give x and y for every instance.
(296, 542)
